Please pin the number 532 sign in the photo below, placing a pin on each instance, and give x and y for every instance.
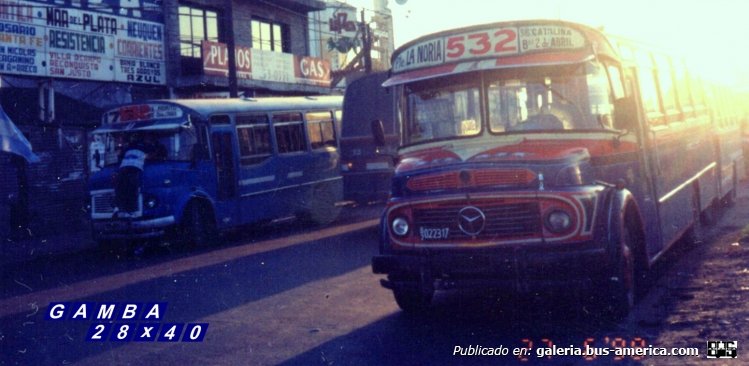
(488, 43)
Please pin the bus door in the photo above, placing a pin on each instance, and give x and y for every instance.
(258, 169)
(293, 168)
(226, 176)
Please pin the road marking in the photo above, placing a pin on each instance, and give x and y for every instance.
(32, 302)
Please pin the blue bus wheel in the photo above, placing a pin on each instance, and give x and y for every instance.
(198, 228)
(319, 206)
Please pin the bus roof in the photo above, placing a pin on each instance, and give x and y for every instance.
(497, 45)
(167, 114)
(206, 107)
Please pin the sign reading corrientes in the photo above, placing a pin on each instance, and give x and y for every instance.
(266, 65)
(103, 40)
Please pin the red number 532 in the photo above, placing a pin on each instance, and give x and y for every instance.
(493, 42)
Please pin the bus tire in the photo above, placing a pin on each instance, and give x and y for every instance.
(621, 291)
(412, 300)
(198, 228)
(320, 204)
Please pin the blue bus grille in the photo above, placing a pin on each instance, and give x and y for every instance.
(103, 203)
(503, 221)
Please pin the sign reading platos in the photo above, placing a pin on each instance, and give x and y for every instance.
(110, 43)
(253, 64)
(487, 43)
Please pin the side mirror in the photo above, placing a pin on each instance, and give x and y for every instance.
(378, 133)
(625, 113)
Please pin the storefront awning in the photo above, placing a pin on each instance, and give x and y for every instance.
(12, 140)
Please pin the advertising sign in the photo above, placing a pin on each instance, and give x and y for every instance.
(94, 40)
(253, 64)
(216, 60)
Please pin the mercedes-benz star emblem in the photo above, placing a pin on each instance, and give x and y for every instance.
(471, 220)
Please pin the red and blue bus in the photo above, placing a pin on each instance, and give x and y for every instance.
(213, 164)
(540, 155)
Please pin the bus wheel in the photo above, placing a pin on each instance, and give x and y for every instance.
(320, 206)
(412, 300)
(198, 229)
(621, 293)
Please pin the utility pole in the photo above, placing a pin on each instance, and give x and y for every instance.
(366, 35)
(231, 48)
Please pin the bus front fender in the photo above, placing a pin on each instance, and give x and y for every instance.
(195, 196)
(622, 212)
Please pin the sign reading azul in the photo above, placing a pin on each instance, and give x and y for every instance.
(492, 42)
(102, 40)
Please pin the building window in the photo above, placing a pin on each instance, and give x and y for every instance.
(269, 36)
(196, 25)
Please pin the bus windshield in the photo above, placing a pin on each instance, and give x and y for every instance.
(573, 97)
(159, 145)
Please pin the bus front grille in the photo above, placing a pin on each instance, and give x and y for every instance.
(501, 220)
(103, 202)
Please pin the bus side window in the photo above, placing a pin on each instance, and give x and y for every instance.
(253, 132)
(648, 89)
(683, 90)
(200, 149)
(289, 129)
(617, 89)
(667, 88)
(320, 129)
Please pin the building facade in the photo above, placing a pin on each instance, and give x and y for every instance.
(270, 39)
(63, 62)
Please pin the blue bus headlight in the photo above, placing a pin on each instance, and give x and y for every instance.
(151, 202)
(400, 226)
(558, 221)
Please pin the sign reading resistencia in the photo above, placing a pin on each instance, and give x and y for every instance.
(487, 43)
(266, 65)
(104, 42)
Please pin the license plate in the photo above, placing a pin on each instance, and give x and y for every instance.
(433, 233)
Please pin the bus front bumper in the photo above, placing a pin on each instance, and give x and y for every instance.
(132, 228)
(518, 270)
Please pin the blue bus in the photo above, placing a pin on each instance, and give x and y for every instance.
(191, 168)
(541, 155)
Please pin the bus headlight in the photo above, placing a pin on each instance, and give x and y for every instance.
(400, 226)
(558, 221)
(151, 202)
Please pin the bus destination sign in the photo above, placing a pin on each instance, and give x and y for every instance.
(487, 43)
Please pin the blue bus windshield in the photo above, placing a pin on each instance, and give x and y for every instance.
(159, 145)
